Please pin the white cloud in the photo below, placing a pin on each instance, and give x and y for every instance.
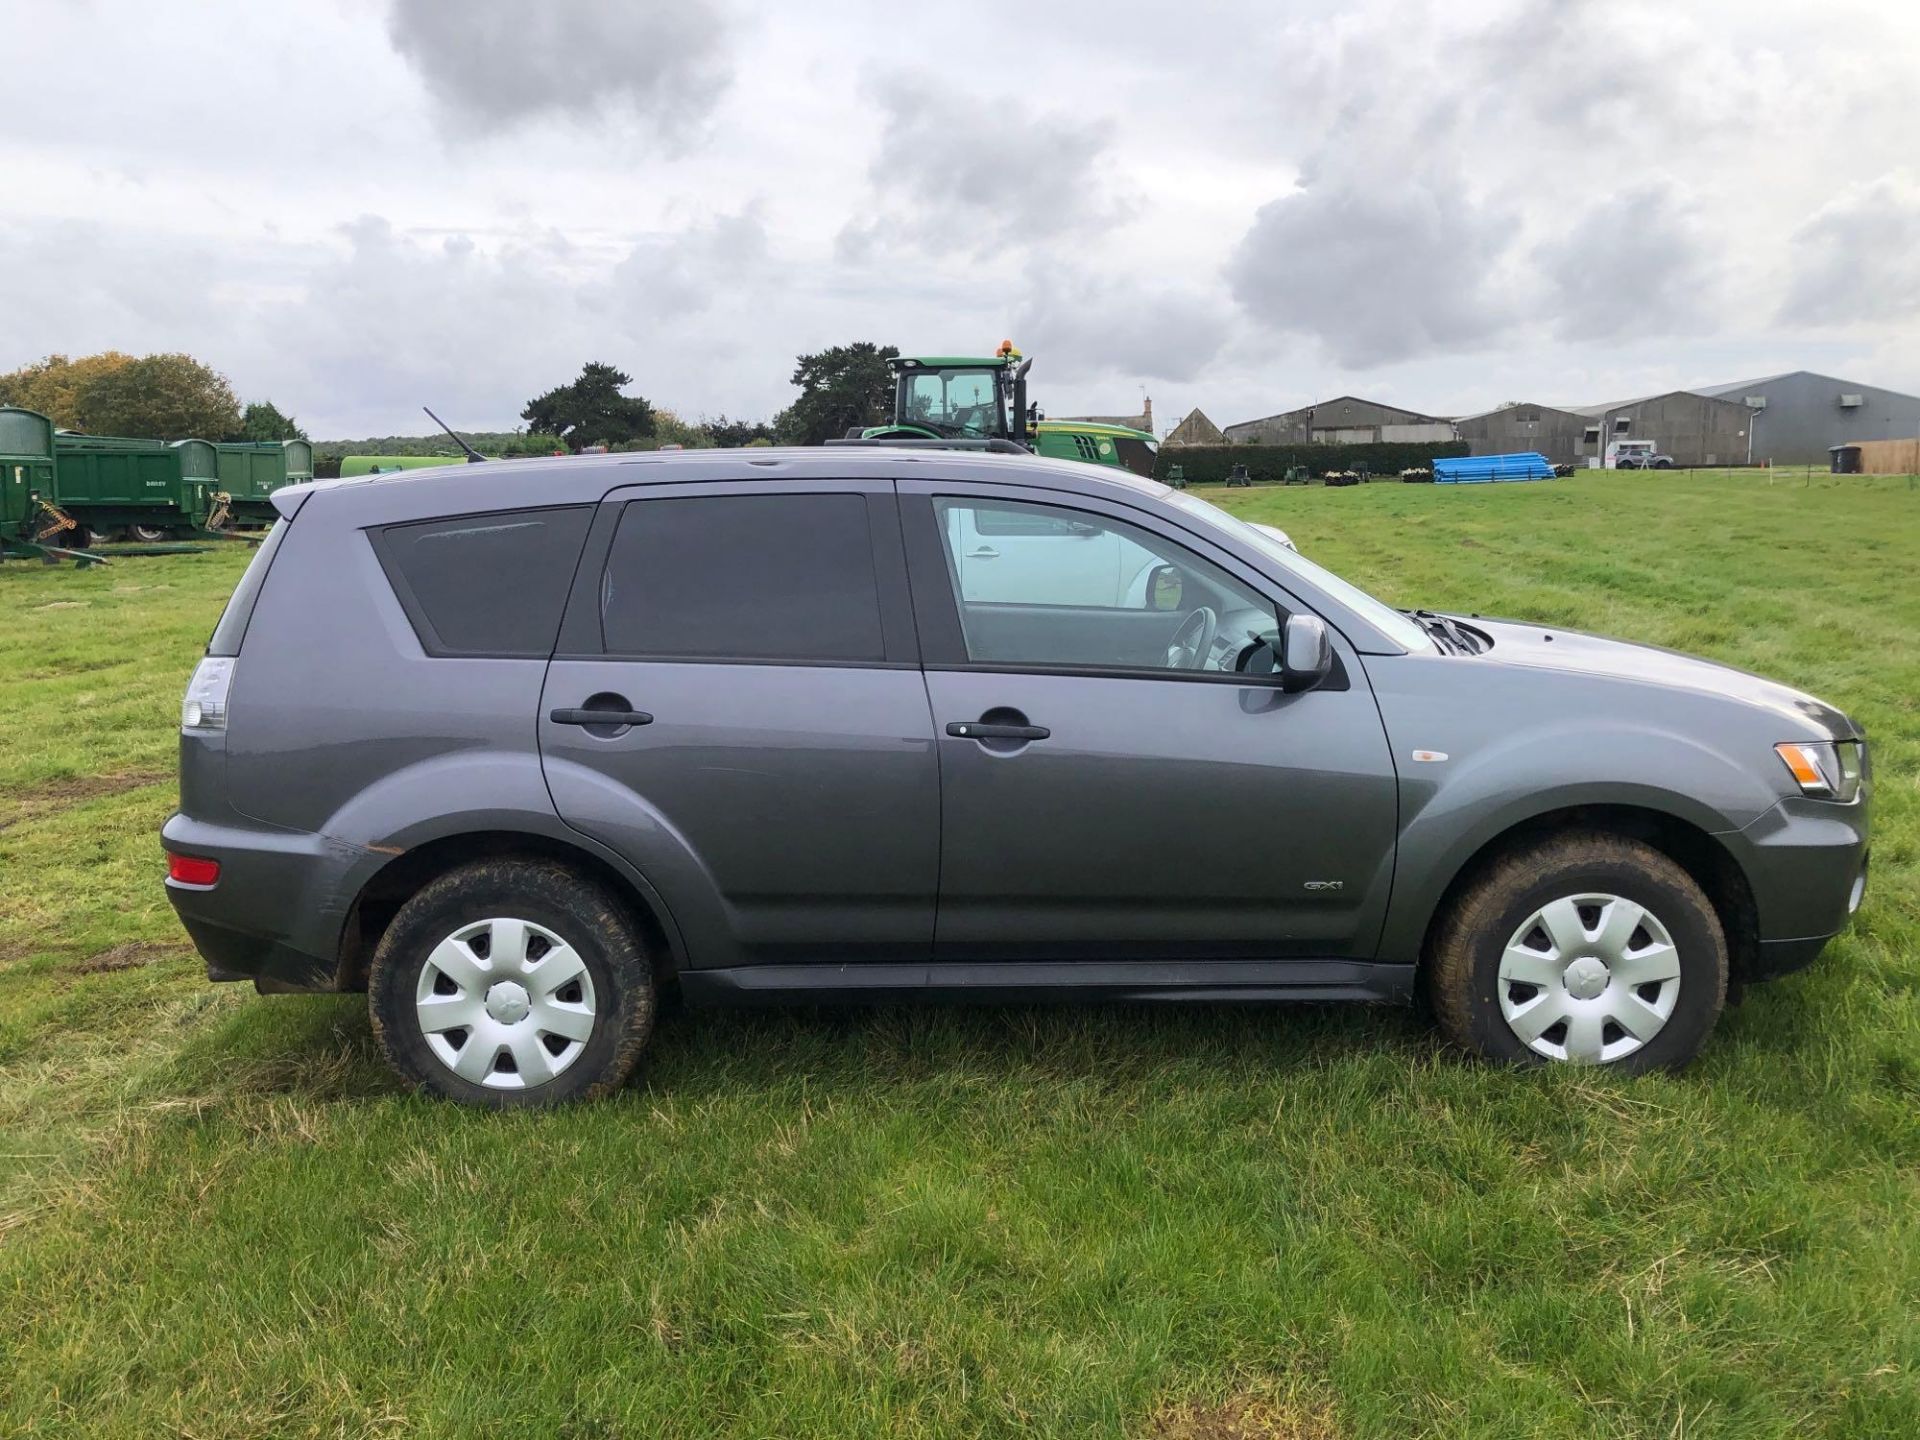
(494, 63)
(1245, 206)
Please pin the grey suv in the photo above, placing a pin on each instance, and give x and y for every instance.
(513, 746)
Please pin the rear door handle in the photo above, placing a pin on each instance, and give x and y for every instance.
(987, 730)
(983, 552)
(600, 717)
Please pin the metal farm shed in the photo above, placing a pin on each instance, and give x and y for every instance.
(1522, 426)
(1694, 429)
(1800, 415)
(1344, 420)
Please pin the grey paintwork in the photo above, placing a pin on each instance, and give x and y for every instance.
(800, 821)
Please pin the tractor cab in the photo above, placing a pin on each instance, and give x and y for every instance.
(960, 397)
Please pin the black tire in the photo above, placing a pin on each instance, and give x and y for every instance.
(147, 534)
(1462, 970)
(548, 895)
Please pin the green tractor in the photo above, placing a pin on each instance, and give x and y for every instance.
(975, 399)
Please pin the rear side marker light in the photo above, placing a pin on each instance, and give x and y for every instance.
(193, 870)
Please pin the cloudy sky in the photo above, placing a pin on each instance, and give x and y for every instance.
(359, 206)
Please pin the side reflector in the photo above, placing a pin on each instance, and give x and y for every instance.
(193, 870)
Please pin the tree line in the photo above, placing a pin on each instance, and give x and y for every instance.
(840, 387)
(165, 397)
(175, 396)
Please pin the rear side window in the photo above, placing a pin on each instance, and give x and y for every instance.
(744, 577)
(232, 628)
(486, 584)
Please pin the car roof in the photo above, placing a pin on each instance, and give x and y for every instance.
(580, 479)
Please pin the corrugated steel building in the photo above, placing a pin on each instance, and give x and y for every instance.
(1522, 426)
(1694, 429)
(1344, 420)
(1801, 414)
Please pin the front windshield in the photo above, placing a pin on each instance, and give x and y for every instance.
(1402, 630)
(955, 402)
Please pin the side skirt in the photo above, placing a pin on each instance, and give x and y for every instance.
(1040, 982)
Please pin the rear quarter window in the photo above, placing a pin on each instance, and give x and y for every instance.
(232, 629)
(492, 584)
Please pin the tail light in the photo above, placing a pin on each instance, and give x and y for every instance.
(204, 708)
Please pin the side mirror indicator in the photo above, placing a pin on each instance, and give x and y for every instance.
(1306, 655)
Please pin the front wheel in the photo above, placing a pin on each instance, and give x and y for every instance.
(1585, 948)
(512, 983)
(147, 534)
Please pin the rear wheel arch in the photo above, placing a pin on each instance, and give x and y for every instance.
(404, 876)
(1708, 862)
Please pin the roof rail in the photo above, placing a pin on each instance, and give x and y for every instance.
(992, 443)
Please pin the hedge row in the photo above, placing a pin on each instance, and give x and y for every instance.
(1210, 464)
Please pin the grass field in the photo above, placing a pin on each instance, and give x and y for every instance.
(220, 1217)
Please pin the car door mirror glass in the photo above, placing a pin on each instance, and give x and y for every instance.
(1306, 656)
(1165, 586)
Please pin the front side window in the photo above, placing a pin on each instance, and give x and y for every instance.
(954, 402)
(1053, 586)
(744, 577)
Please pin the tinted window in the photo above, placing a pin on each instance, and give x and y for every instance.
(744, 577)
(486, 584)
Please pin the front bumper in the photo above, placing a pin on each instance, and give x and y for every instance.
(278, 912)
(1806, 862)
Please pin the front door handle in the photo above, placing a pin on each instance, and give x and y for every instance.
(983, 552)
(600, 717)
(991, 730)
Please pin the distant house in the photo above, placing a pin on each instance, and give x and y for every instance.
(1196, 429)
(1344, 420)
(1694, 429)
(1142, 421)
(1797, 417)
(1524, 425)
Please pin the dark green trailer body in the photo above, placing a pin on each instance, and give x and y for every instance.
(200, 482)
(250, 471)
(26, 469)
(31, 524)
(115, 482)
(299, 461)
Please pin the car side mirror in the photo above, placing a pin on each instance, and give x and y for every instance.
(1165, 585)
(1306, 654)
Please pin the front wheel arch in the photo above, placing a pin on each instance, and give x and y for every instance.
(1709, 863)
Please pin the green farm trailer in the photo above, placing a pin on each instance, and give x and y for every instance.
(31, 523)
(250, 471)
(115, 483)
(381, 464)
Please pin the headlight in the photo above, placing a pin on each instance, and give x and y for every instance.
(1825, 769)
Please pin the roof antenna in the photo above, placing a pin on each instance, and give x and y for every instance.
(474, 457)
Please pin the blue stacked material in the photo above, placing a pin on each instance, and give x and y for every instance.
(1476, 469)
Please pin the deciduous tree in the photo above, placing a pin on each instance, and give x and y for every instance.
(840, 388)
(52, 386)
(595, 407)
(168, 397)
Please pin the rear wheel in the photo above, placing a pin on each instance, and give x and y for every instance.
(512, 983)
(1586, 948)
(147, 534)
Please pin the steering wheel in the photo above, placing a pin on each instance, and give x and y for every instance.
(1192, 643)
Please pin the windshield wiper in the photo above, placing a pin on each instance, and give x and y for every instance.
(1447, 629)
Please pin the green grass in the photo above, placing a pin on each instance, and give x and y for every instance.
(220, 1217)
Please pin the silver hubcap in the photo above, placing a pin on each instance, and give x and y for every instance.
(1589, 978)
(505, 1003)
